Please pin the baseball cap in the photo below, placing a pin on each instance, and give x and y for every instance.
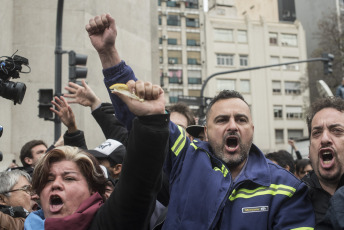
(195, 130)
(110, 148)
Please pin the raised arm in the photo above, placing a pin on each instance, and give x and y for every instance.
(103, 33)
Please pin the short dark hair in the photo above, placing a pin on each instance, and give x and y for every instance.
(26, 150)
(301, 164)
(224, 94)
(322, 103)
(183, 109)
(283, 159)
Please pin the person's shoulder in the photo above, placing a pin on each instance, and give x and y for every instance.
(280, 175)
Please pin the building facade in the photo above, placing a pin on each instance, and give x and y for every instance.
(30, 28)
(239, 36)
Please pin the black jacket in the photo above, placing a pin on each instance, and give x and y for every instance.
(319, 197)
(133, 200)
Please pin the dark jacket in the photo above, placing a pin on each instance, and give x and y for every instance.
(319, 197)
(133, 199)
(12, 217)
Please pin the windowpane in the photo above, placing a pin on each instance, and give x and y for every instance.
(173, 95)
(290, 67)
(225, 59)
(223, 35)
(278, 111)
(192, 22)
(243, 60)
(175, 76)
(242, 36)
(295, 133)
(279, 136)
(273, 38)
(245, 86)
(294, 112)
(173, 20)
(172, 41)
(225, 84)
(288, 39)
(292, 87)
(276, 87)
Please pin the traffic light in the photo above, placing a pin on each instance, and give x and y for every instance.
(75, 71)
(45, 97)
(328, 63)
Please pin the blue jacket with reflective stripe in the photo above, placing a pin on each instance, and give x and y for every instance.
(203, 194)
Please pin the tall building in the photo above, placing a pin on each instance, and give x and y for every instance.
(30, 28)
(181, 48)
(244, 34)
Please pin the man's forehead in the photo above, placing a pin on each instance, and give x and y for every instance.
(231, 104)
(328, 115)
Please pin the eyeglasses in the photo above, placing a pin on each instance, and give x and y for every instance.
(26, 188)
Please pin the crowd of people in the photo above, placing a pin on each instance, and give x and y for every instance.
(158, 169)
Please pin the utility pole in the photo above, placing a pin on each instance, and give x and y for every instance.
(58, 63)
(326, 58)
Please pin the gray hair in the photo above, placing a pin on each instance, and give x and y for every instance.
(9, 179)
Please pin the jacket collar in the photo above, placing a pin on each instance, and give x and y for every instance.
(256, 168)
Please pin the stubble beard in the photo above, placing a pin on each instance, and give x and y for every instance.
(232, 161)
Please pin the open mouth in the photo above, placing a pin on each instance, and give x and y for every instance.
(56, 203)
(327, 158)
(35, 207)
(232, 142)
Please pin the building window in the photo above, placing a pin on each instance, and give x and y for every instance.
(175, 76)
(192, 22)
(194, 77)
(159, 2)
(288, 39)
(292, 87)
(192, 42)
(242, 36)
(225, 59)
(295, 133)
(279, 136)
(227, 84)
(173, 95)
(278, 111)
(273, 38)
(191, 4)
(173, 20)
(192, 61)
(172, 4)
(161, 60)
(243, 60)
(159, 17)
(172, 41)
(292, 66)
(172, 60)
(276, 87)
(293, 112)
(245, 86)
(223, 35)
(274, 60)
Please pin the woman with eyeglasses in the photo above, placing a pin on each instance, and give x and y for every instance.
(71, 184)
(17, 199)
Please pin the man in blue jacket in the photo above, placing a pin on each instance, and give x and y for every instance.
(225, 183)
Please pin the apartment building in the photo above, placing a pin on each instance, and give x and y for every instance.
(181, 48)
(244, 34)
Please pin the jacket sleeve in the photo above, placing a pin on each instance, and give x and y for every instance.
(133, 199)
(76, 139)
(120, 73)
(110, 125)
(178, 145)
(296, 212)
(9, 222)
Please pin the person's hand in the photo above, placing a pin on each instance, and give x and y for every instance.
(102, 32)
(60, 141)
(292, 143)
(153, 95)
(65, 113)
(82, 95)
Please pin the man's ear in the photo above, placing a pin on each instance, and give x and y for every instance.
(205, 133)
(28, 160)
(117, 169)
(2, 199)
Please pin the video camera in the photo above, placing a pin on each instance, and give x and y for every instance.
(11, 67)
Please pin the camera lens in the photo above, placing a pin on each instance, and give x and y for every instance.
(14, 91)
